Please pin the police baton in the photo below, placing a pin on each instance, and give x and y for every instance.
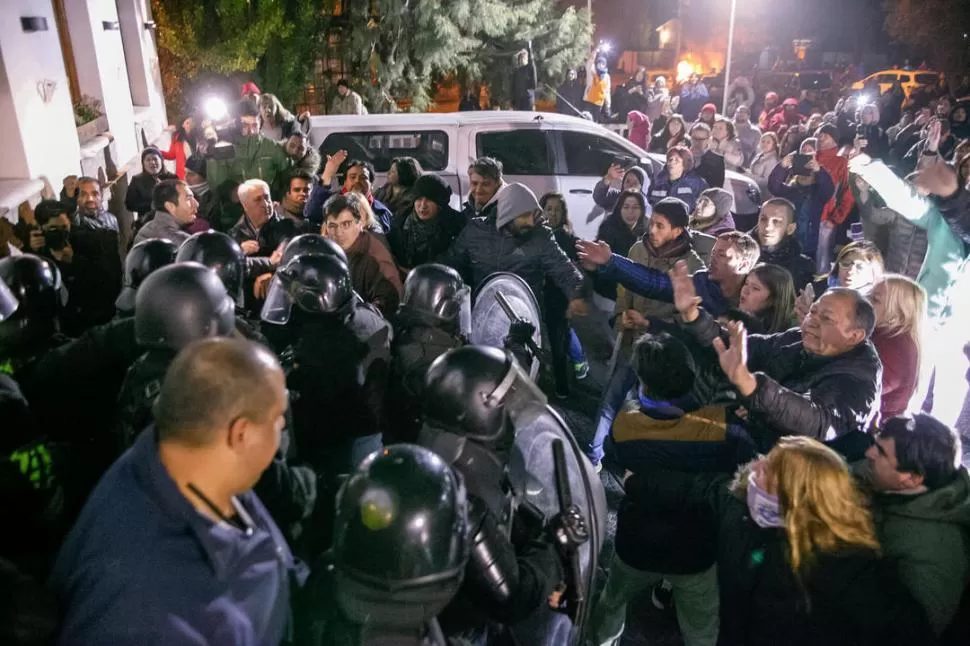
(569, 532)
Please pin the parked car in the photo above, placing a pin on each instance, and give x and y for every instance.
(545, 151)
(909, 79)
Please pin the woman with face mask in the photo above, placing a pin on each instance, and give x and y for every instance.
(798, 561)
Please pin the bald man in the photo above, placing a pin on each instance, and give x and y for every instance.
(172, 547)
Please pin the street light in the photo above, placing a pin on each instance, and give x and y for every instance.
(727, 65)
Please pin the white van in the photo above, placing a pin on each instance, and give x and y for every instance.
(545, 151)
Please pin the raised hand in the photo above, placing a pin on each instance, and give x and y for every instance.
(933, 136)
(686, 299)
(734, 359)
(593, 254)
(938, 179)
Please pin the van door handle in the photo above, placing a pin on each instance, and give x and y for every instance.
(581, 191)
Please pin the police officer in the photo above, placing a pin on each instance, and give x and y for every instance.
(337, 349)
(399, 553)
(475, 397)
(144, 258)
(223, 255)
(32, 328)
(175, 305)
(429, 322)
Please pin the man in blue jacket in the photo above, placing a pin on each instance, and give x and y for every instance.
(734, 254)
(172, 546)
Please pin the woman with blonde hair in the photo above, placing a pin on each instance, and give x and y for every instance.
(278, 123)
(900, 306)
(798, 562)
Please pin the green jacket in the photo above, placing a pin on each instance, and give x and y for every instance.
(928, 537)
(945, 251)
(255, 158)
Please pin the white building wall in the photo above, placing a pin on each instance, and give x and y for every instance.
(38, 138)
(99, 57)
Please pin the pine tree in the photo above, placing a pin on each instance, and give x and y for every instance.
(394, 47)
(403, 46)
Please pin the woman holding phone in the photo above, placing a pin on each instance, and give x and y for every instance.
(800, 179)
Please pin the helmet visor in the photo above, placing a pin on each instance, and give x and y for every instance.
(278, 305)
(8, 302)
(521, 397)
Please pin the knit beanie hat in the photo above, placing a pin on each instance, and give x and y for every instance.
(196, 164)
(514, 200)
(431, 187)
(674, 209)
(150, 150)
(828, 129)
(723, 200)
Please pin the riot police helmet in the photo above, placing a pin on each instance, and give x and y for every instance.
(220, 253)
(143, 258)
(31, 299)
(400, 538)
(315, 284)
(437, 292)
(479, 392)
(182, 303)
(311, 244)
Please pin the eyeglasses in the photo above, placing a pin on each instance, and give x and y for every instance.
(346, 225)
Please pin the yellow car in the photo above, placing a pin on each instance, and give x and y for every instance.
(909, 79)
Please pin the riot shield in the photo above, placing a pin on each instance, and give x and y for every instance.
(533, 474)
(489, 321)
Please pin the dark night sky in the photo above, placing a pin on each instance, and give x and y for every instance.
(841, 24)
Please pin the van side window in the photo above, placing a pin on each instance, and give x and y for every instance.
(887, 78)
(590, 155)
(927, 79)
(429, 147)
(522, 152)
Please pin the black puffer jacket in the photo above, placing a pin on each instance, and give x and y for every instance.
(831, 399)
(788, 254)
(481, 249)
(850, 597)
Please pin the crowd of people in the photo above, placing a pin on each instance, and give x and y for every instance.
(210, 433)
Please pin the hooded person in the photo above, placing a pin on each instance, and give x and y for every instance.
(787, 117)
(638, 128)
(960, 120)
(771, 105)
(511, 240)
(608, 190)
(428, 228)
(713, 212)
(139, 197)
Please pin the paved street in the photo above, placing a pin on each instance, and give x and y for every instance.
(646, 625)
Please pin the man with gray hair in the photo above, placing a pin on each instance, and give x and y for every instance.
(821, 380)
(173, 546)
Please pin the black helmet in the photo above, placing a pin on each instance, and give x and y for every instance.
(311, 244)
(182, 303)
(315, 284)
(400, 538)
(32, 299)
(220, 253)
(436, 291)
(479, 392)
(144, 258)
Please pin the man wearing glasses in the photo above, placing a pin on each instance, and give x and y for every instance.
(707, 163)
